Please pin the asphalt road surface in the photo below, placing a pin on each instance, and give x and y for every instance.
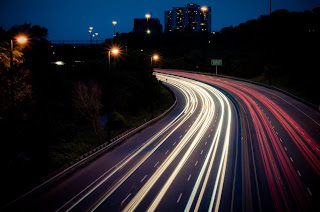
(280, 151)
(227, 146)
(179, 163)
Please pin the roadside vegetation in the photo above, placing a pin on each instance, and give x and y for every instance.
(60, 112)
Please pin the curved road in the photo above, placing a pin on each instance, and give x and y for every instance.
(187, 161)
(280, 147)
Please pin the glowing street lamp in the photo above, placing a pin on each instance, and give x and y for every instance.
(204, 9)
(22, 39)
(114, 25)
(147, 16)
(155, 57)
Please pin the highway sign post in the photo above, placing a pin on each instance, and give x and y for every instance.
(216, 62)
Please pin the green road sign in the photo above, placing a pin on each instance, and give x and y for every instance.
(216, 62)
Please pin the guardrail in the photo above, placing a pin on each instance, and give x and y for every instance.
(89, 156)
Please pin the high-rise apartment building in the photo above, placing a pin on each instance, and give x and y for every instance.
(192, 17)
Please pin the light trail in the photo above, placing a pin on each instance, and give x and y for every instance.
(201, 98)
(180, 145)
(286, 188)
(205, 119)
(181, 118)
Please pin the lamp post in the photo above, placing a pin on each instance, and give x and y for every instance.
(90, 31)
(114, 28)
(147, 17)
(153, 59)
(21, 40)
(96, 34)
(115, 52)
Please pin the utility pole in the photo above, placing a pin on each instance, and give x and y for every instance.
(270, 7)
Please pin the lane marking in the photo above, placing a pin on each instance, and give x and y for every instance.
(205, 143)
(211, 130)
(309, 191)
(280, 140)
(143, 179)
(180, 136)
(299, 173)
(125, 199)
(196, 163)
(291, 159)
(201, 152)
(179, 198)
(174, 144)
(189, 177)
(156, 164)
(186, 130)
(209, 136)
(166, 152)
(285, 148)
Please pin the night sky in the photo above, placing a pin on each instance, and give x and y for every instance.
(71, 19)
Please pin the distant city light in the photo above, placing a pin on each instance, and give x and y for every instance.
(148, 31)
(114, 22)
(59, 63)
(148, 16)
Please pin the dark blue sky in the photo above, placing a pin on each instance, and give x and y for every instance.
(71, 19)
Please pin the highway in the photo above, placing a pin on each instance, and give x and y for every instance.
(228, 145)
(186, 161)
(280, 147)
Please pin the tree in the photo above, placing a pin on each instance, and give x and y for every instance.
(22, 88)
(87, 99)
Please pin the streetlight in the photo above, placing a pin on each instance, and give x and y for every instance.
(96, 37)
(90, 31)
(153, 59)
(114, 28)
(147, 17)
(115, 52)
(204, 9)
(21, 39)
